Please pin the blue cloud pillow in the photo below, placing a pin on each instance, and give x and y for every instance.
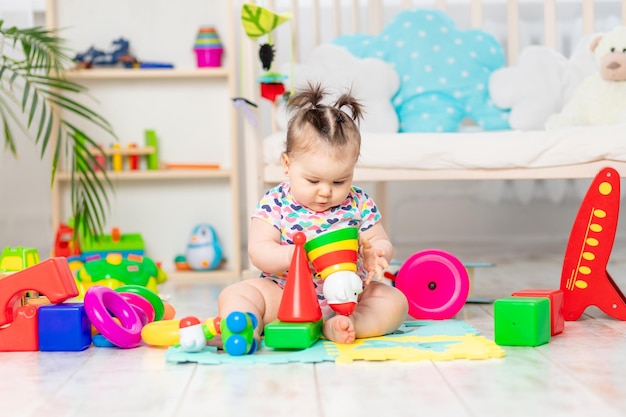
(444, 72)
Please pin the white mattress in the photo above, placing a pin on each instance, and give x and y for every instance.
(482, 150)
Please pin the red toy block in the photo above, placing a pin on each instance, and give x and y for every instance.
(52, 278)
(299, 301)
(22, 334)
(557, 321)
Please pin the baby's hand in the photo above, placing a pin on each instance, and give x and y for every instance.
(374, 261)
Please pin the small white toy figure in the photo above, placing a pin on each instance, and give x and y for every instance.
(192, 337)
(204, 252)
(341, 290)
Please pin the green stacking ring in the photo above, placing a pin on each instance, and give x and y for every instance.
(346, 233)
(152, 297)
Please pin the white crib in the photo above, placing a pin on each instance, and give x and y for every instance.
(512, 154)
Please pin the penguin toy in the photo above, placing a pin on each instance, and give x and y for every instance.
(204, 252)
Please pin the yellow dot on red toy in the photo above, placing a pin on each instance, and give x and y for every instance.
(114, 258)
(581, 284)
(605, 188)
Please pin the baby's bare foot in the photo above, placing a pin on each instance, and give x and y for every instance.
(339, 329)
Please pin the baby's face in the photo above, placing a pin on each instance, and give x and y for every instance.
(320, 179)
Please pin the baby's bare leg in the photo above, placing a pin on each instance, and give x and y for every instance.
(258, 296)
(381, 310)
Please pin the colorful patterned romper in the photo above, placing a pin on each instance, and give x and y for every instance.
(279, 208)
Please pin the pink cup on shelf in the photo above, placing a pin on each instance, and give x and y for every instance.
(208, 47)
(209, 57)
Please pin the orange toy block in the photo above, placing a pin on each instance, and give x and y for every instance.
(299, 301)
(52, 278)
(557, 321)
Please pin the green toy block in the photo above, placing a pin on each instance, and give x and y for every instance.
(289, 335)
(522, 321)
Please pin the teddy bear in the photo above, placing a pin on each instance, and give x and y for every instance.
(601, 97)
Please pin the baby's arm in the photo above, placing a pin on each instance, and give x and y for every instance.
(264, 248)
(377, 251)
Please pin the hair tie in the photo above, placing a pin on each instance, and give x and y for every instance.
(340, 118)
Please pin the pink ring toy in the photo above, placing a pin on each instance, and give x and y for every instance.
(101, 305)
(435, 283)
(142, 307)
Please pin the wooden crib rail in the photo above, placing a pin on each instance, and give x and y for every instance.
(327, 19)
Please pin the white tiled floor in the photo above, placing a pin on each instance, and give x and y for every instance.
(579, 373)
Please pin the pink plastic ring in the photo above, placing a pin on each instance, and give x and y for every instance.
(101, 305)
(436, 284)
(142, 307)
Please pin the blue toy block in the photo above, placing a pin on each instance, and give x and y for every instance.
(64, 327)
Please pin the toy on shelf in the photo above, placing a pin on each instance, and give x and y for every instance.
(120, 54)
(299, 322)
(204, 250)
(115, 270)
(64, 243)
(122, 243)
(152, 161)
(128, 156)
(208, 47)
(585, 280)
(107, 260)
(435, 283)
(14, 259)
(70, 241)
(334, 256)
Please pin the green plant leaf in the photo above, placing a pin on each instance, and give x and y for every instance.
(33, 86)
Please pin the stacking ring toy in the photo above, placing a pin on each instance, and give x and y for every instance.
(149, 295)
(100, 304)
(435, 284)
(142, 307)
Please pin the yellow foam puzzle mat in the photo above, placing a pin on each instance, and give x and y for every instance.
(435, 340)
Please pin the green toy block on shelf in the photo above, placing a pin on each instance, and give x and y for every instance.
(291, 335)
(522, 321)
(125, 243)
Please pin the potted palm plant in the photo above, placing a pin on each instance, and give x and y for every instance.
(36, 96)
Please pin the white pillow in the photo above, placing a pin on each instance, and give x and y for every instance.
(371, 81)
(540, 83)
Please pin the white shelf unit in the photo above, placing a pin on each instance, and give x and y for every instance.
(189, 108)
